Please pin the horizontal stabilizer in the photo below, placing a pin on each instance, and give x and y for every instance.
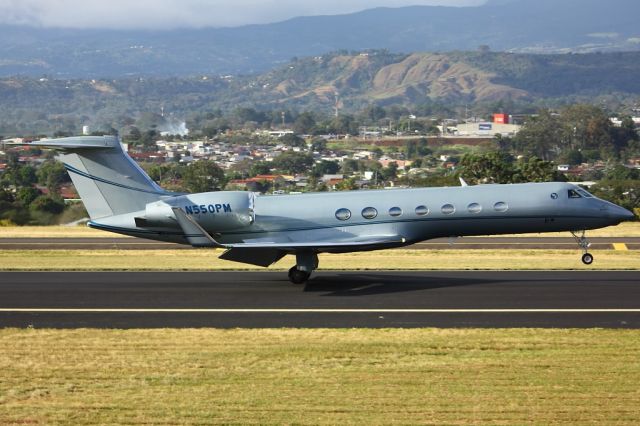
(85, 142)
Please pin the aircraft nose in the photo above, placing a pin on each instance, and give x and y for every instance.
(620, 214)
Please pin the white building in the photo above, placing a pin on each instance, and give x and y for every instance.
(487, 129)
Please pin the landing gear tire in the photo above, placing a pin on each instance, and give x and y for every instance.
(297, 276)
(587, 258)
(581, 239)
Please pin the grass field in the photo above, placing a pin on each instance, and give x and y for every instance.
(424, 376)
(627, 229)
(401, 259)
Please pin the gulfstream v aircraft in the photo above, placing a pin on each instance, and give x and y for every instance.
(260, 230)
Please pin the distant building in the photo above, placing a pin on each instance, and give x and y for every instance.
(487, 129)
(501, 119)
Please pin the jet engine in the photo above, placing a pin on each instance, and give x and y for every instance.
(214, 211)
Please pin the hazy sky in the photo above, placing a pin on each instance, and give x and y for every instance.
(184, 13)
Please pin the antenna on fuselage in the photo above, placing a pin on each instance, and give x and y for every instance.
(462, 182)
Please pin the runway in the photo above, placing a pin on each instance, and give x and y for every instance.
(329, 299)
(120, 243)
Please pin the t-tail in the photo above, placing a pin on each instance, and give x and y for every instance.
(109, 182)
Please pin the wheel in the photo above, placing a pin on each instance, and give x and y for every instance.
(587, 259)
(297, 276)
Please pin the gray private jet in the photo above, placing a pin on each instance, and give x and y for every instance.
(259, 230)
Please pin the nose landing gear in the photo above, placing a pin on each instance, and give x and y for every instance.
(584, 244)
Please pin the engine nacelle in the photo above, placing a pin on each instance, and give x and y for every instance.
(214, 211)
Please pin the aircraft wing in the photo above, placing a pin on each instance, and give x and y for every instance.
(325, 245)
(265, 253)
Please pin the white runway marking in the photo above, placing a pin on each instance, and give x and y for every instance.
(311, 311)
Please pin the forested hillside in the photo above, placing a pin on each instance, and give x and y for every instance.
(44, 105)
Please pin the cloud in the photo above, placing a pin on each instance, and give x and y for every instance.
(159, 14)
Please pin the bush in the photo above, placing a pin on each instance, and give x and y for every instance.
(48, 205)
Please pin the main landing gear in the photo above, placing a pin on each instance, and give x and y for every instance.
(581, 239)
(306, 263)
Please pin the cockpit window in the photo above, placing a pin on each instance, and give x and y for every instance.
(584, 193)
(574, 194)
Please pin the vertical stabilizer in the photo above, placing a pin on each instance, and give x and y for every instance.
(106, 178)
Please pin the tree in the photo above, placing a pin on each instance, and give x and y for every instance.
(293, 162)
(492, 167)
(586, 127)
(25, 176)
(27, 195)
(133, 135)
(325, 167)
(535, 170)
(625, 136)
(293, 140)
(620, 186)
(149, 138)
(52, 174)
(260, 168)
(305, 124)
(572, 157)
(204, 176)
(390, 172)
(244, 115)
(47, 204)
(349, 166)
(347, 185)
(374, 113)
(318, 145)
(540, 136)
(416, 148)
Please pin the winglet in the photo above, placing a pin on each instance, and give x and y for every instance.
(463, 182)
(193, 232)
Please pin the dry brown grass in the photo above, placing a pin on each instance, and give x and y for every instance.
(54, 232)
(424, 376)
(401, 259)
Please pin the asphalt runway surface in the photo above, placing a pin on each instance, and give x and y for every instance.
(600, 243)
(330, 299)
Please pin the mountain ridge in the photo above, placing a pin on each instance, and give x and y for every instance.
(537, 26)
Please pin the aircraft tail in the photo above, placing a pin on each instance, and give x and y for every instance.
(106, 178)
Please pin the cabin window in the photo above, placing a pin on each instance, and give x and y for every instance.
(395, 211)
(343, 214)
(574, 194)
(501, 206)
(422, 210)
(448, 209)
(474, 208)
(369, 213)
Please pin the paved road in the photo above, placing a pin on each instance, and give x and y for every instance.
(330, 299)
(631, 243)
